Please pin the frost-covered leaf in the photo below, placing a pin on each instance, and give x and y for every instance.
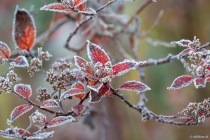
(60, 120)
(96, 87)
(79, 85)
(78, 109)
(71, 92)
(184, 52)
(24, 29)
(80, 62)
(23, 90)
(182, 43)
(80, 4)
(41, 135)
(104, 90)
(4, 50)
(200, 82)
(89, 71)
(14, 133)
(134, 86)
(57, 7)
(97, 54)
(19, 111)
(50, 103)
(95, 97)
(181, 81)
(123, 67)
(20, 61)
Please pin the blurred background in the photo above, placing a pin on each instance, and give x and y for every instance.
(182, 19)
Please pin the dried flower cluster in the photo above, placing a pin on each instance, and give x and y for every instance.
(7, 82)
(197, 112)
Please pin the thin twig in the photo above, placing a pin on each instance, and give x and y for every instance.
(32, 103)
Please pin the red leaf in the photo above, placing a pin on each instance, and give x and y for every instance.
(23, 90)
(184, 52)
(24, 29)
(96, 87)
(104, 90)
(181, 81)
(79, 85)
(78, 109)
(97, 54)
(57, 7)
(19, 111)
(51, 103)
(200, 82)
(134, 86)
(80, 4)
(60, 121)
(80, 62)
(20, 61)
(70, 93)
(123, 67)
(41, 135)
(95, 96)
(89, 71)
(4, 50)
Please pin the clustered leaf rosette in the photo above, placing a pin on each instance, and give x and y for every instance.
(200, 64)
(99, 72)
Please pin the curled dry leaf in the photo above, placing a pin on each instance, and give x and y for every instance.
(51, 103)
(4, 50)
(134, 86)
(23, 90)
(60, 121)
(19, 111)
(24, 29)
(181, 81)
(97, 54)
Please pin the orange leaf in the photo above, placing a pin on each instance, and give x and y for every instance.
(24, 30)
(80, 4)
(4, 50)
